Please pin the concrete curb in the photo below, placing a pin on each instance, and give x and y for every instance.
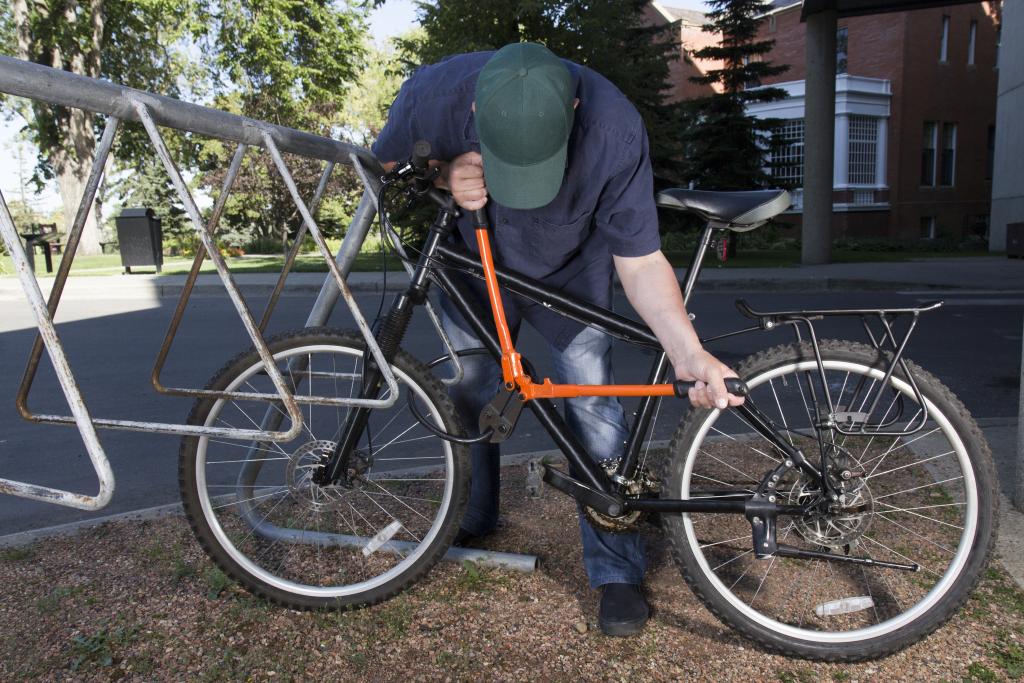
(23, 538)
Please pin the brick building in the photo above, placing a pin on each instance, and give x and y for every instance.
(915, 118)
(690, 39)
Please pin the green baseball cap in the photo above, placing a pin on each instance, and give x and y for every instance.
(524, 114)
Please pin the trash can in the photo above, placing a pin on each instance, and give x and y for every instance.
(140, 239)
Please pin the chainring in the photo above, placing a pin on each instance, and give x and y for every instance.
(642, 483)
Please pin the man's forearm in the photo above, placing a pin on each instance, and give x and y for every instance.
(651, 287)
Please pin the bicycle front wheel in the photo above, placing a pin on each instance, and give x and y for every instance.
(256, 510)
(926, 499)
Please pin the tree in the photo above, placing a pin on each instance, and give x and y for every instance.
(725, 147)
(285, 61)
(127, 41)
(366, 106)
(608, 36)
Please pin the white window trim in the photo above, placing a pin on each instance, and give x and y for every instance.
(858, 95)
(879, 156)
(932, 228)
(972, 39)
(944, 41)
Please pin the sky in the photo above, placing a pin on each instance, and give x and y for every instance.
(393, 18)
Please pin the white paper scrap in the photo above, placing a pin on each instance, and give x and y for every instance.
(382, 537)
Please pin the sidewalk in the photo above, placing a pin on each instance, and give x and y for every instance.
(967, 273)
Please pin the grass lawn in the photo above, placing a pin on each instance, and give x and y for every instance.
(110, 264)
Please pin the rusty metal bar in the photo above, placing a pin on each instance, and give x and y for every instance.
(296, 245)
(284, 394)
(294, 252)
(26, 79)
(193, 275)
(339, 279)
(48, 334)
(74, 237)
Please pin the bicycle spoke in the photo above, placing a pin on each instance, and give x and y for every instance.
(905, 503)
(288, 530)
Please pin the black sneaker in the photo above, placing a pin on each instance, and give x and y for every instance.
(624, 610)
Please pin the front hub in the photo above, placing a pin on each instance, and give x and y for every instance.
(304, 462)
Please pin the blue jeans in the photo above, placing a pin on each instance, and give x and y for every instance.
(598, 423)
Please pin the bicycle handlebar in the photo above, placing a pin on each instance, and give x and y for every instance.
(733, 385)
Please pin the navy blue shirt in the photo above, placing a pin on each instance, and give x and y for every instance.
(604, 207)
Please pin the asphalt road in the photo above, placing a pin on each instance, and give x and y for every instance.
(973, 344)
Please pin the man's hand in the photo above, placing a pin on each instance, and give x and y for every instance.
(652, 288)
(466, 181)
(709, 374)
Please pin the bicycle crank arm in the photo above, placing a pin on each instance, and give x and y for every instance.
(789, 551)
(602, 502)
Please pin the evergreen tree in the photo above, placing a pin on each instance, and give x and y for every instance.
(725, 147)
(608, 36)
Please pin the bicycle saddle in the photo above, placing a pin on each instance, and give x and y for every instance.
(739, 211)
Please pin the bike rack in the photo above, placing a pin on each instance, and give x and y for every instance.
(118, 103)
(26, 79)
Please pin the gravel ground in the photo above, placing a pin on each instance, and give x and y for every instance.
(139, 601)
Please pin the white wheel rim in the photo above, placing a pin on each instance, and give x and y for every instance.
(303, 589)
(938, 590)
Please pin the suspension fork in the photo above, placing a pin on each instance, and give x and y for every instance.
(389, 336)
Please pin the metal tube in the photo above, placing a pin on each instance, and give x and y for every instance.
(697, 262)
(485, 558)
(346, 293)
(296, 245)
(320, 313)
(193, 275)
(48, 333)
(610, 322)
(74, 237)
(26, 79)
(225, 275)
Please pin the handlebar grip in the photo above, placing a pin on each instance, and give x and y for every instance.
(420, 154)
(733, 385)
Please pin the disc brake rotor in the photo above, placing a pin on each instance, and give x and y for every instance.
(838, 524)
(302, 463)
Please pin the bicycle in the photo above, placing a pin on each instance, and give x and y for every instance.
(843, 512)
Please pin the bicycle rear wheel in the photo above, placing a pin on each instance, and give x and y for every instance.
(927, 499)
(255, 509)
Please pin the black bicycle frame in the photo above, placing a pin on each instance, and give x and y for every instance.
(446, 258)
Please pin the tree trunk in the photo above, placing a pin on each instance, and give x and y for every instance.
(22, 29)
(71, 153)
